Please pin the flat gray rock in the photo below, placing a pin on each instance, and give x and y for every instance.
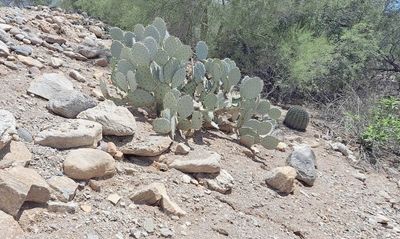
(69, 103)
(116, 120)
(152, 145)
(71, 134)
(22, 50)
(198, 162)
(50, 85)
(303, 160)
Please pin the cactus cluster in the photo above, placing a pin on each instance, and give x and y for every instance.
(297, 118)
(154, 69)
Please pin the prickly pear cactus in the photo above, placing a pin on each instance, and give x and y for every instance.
(156, 70)
(297, 118)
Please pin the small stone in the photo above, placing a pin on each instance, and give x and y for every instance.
(186, 178)
(64, 187)
(148, 225)
(19, 155)
(22, 50)
(84, 164)
(56, 62)
(10, 65)
(360, 176)
(282, 147)
(152, 145)
(166, 232)
(61, 207)
(77, 76)
(25, 135)
(156, 194)
(53, 39)
(182, 149)
(282, 179)
(341, 148)
(102, 62)
(86, 208)
(114, 198)
(303, 160)
(29, 61)
(96, 30)
(222, 182)
(95, 185)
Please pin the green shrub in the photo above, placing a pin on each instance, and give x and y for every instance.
(384, 129)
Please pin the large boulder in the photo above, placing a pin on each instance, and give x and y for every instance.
(152, 145)
(281, 179)
(198, 162)
(9, 228)
(69, 103)
(71, 134)
(303, 160)
(116, 120)
(84, 164)
(49, 85)
(7, 127)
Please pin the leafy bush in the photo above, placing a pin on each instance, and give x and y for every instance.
(384, 129)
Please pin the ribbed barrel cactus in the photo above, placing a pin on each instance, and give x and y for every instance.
(154, 69)
(297, 118)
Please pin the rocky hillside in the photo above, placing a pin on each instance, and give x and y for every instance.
(74, 165)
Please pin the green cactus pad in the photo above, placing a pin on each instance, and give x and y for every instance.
(176, 93)
(162, 126)
(152, 46)
(190, 88)
(129, 39)
(247, 140)
(145, 80)
(126, 54)
(170, 102)
(184, 124)
(104, 90)
(116, 48)
(141, 98)
(201, 50)
(253, 124)
(140, 55)
(131, 78)
(208, 116)
(263, 107)
(197, 120)
(160, 92)
(171, 45)
(274, 113)
(234, 76)
(269, 142)
(264, 128)
(179, 78)
(139, 32)
(166, 114)
(210, 101)
(199, 71)
(124, 66)
(170, 68)
(117, 34)
(161, 26)
(161, 57)
(120, 81)
(248, 131)
(183, 53)
(151, 31)
(216, 71)
(251, 87)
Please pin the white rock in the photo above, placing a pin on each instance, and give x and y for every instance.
(182, 149)
(84, 164)
(222, 182)
(71, 134)
(282, 179)
(49, 85)
(7, 127)
(116, 120)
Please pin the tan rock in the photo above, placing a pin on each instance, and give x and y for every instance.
(198, 162)
(9, 228)
(95, 185)
(77, 76)
(13, 193)
(56, 62)
(29, 61)
(19, 155)
(282, 179)
(182, 149)
(96, 30)
(156, 194)
(64, 187)
(84, 164)
(39, 190)
(71, 134)
(153, 145)
(114, 198)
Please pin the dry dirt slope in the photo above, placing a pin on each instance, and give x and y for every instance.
(339, 205)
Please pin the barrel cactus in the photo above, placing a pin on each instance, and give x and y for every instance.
(297, 118)
(153, 69)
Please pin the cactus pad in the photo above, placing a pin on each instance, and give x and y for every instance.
(117, 34)
(201, 50)
(162, 126)
(251, 87)
(269, 142)
(185, 106)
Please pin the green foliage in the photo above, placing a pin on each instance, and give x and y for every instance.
(384, 128)
(152, 72)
